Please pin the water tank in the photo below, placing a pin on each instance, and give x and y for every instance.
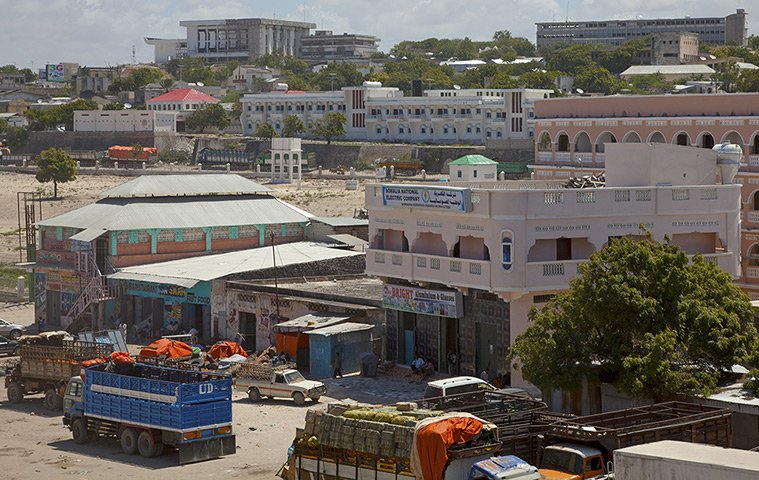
(372, 84)
(281, 87)
(729, 156)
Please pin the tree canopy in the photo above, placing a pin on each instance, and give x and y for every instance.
(58, 115)
(55, 165)
(210, 115)
(265, 130)
(644, 318)
(292, 126)
(333, 126)
(135, 80)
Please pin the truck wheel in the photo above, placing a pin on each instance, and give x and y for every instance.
(15, 392)
(315, 398)
(147, 447)
(254, 395)
(79, 431)
(51, 399)
(299, 398)
(129, 441)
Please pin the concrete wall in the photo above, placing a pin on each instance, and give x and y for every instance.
(39, 141)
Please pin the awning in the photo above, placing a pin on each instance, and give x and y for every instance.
(349, 240)
(182, 282)
(88, 234)
(340, 328)
(313, 321)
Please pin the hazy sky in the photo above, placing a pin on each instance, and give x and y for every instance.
(102, 32)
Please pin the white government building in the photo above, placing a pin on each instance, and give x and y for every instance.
(377, 113)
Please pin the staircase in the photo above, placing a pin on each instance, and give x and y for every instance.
(97, 290)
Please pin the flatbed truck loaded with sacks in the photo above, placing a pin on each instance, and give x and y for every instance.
(148, 408)
(47, 366)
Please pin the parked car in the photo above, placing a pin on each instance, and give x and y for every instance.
(11, 330)
(456, 389)
(8, 346)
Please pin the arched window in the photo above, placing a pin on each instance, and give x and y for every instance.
(507, 250)
(657, 137)
(682, 139)
(753, 256)
(707, 141)
(544, 144)
(582, 143)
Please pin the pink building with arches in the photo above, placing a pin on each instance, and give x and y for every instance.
(571, 134)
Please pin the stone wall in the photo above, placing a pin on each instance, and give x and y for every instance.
(39, 141)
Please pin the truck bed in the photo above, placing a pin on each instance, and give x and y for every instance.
(174, 400)
(58, 363)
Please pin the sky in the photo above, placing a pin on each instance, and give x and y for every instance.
(103, 32)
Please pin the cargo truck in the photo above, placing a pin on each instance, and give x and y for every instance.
(44, 368)
(148, 408)
(581, 447)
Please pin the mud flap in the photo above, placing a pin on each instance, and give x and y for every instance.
(206, 449)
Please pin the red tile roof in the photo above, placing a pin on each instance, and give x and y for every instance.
(184, 95)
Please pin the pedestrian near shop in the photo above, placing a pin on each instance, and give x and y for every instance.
(338, 366)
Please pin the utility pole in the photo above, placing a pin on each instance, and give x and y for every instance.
(276, 286)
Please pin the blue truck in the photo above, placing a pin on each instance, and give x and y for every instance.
(148, 408)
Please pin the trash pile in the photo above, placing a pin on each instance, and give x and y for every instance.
(587, 181)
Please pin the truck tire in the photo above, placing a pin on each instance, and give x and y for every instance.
(147, 447)
(79, 431)
(129, 441)
(51, 399)
(15, 392)
(299, 398)
(254, 395)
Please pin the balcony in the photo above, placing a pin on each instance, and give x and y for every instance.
(429, 268)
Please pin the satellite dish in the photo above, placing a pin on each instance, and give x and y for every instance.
(127, 105)
(200, 84)
(457, 87)
(580, 91)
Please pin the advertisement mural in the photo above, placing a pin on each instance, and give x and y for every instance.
(429, 302)
(445, 198)
(54, 73)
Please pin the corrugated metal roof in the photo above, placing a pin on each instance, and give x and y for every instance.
(341, 221)
(195, 185)
(668, 70)
(152, 278)
(88, 234)
(340, 328)
(178, 212)
(313, 321)
(349, 240)
(210, 267)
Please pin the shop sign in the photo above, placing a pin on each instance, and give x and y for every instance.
(445, 198)
(440, 303)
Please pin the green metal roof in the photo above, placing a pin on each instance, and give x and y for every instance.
(473, 160)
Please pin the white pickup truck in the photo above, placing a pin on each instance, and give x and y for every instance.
(280, 383)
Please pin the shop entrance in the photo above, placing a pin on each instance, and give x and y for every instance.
(248, 330)
(53, 308)
(486, 358)
(406, 337)
(448, 344)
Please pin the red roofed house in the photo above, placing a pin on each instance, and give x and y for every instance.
(171, 108)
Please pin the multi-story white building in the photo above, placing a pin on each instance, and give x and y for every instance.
(464, 263)
(376, 113)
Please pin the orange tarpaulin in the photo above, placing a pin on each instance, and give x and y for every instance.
(226, 349)
(289, 343)
(433, 441)
(169, 348)
(119, 152)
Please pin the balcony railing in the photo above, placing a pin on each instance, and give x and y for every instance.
(564, 157)
(545, 156)
(753, 216)
(752, 272)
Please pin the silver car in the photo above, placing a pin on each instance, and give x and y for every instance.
(11, 330)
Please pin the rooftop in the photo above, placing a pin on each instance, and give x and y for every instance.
(209, 267)
(184, 95)
(190, 185)
(669, 70)
(473, 160)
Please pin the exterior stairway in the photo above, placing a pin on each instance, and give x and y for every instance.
(98, 290)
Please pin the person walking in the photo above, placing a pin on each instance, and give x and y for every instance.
(338, 366)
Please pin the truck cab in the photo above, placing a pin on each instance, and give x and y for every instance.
(568, 461)
(72, 400)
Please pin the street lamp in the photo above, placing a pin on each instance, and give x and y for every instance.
(332, 77)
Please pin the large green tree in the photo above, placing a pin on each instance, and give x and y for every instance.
(55, 165)
(592, 78)
(644, 318)
(211, 115)
(332, 127)
(59, 115)
(749, 81)
(292, 126)
(265, 130)
(727, 76)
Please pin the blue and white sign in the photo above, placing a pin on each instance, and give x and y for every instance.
(445, 198)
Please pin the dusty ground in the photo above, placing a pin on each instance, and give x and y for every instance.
(325, 198)
(35, 444)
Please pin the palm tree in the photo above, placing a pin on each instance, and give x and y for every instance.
(167, 84)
